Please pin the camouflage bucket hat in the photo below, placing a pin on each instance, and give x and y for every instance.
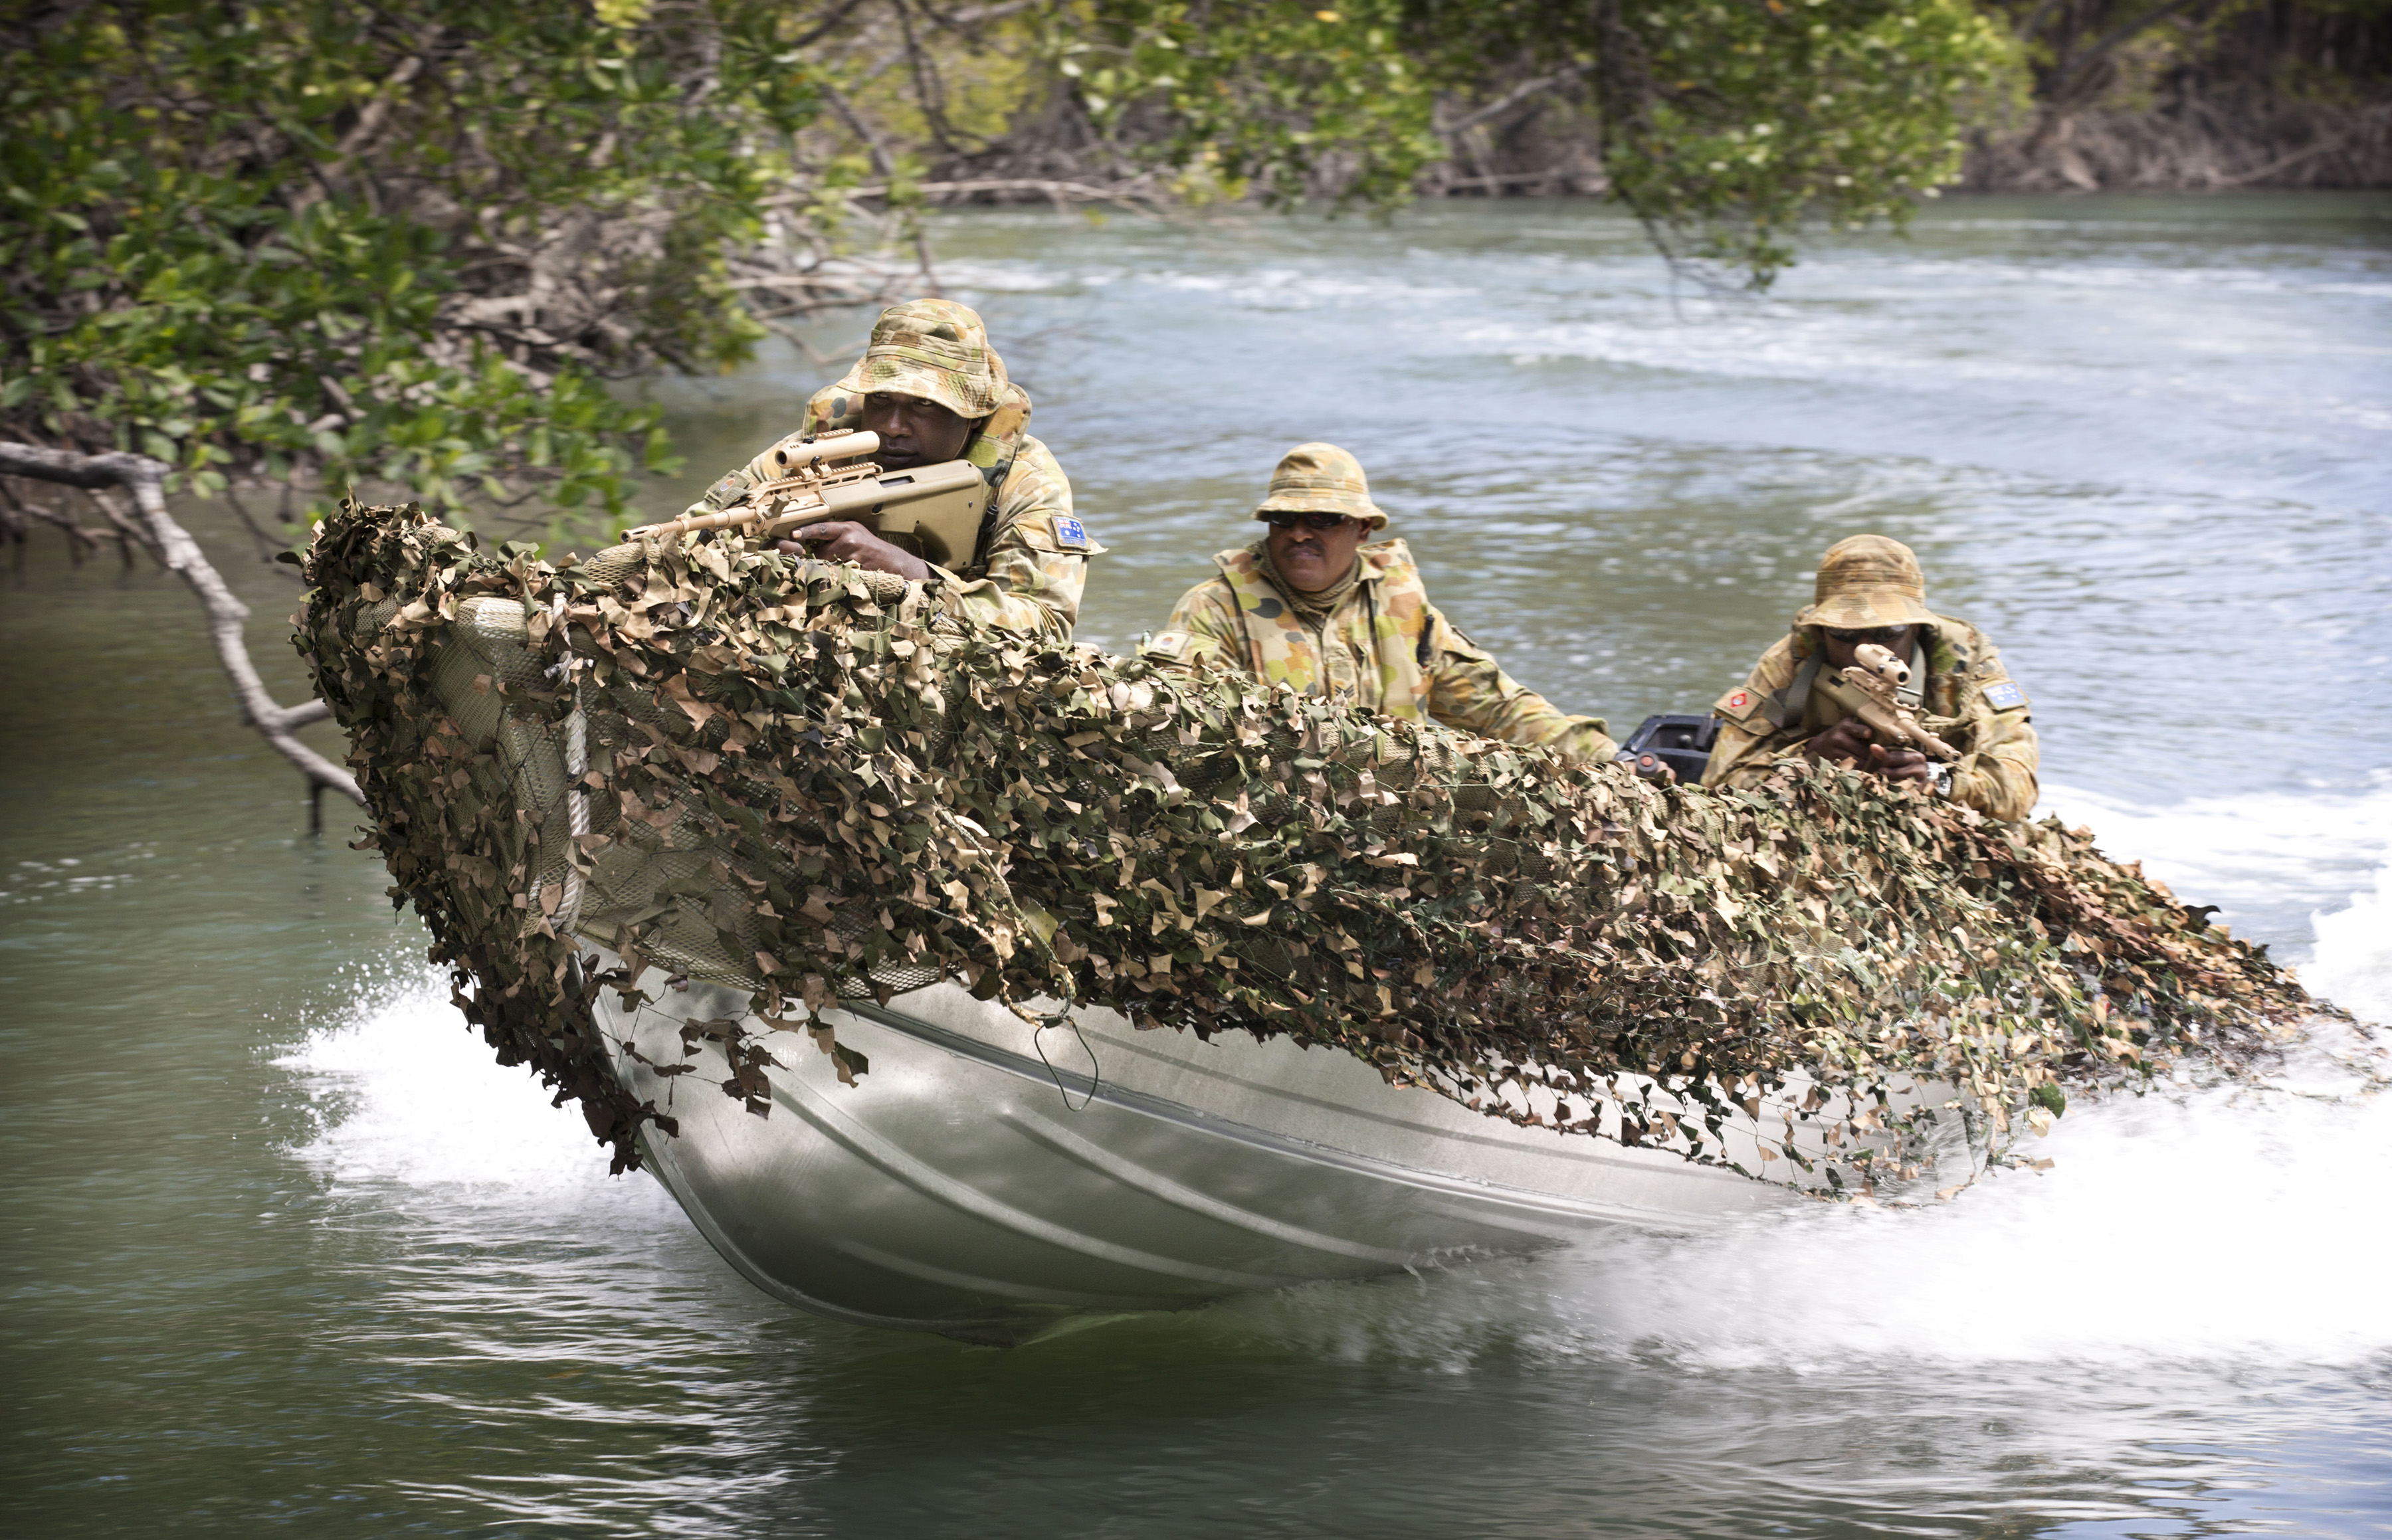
(1867, 582)
(935, 349)
(1321, 478)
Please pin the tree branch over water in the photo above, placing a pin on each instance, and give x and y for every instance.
(145, 479)
(1724, 129)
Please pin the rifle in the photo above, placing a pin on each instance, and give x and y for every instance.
(932, 511)
(1866, 690)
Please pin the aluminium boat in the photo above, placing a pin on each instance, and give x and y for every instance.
(987, 1179)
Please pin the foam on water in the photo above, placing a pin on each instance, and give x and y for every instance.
(2219, 1223)
(407, 1095)
(2353, 966)
(2259, 855)
(2217, 1228)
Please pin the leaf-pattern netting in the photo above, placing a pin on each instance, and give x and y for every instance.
(810, 783)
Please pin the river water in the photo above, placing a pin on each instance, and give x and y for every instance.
(286, 1254)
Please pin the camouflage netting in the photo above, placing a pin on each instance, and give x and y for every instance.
(810, 781)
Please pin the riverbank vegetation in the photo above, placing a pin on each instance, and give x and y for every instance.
(314, 244)
(295, 246)
(2192, 95)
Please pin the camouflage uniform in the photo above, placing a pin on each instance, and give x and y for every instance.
(1958, 686)
(1031, 562)
(1385, 644)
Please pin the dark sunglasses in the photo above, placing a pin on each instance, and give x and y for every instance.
(1884, 636)
(1281, 518)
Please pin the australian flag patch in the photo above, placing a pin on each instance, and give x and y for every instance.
(1070, 535)
(2005, 696)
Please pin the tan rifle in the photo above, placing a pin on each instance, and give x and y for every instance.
(1867, 690)
(933, 511)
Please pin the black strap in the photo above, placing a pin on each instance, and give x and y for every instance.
(1784, 707)
(994, 475)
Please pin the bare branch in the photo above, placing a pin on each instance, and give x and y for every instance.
(958, 20)
(789, 334)
(888, 168)
(2071, 67)
(81, 540)
(267, 546)
(1514, 96)
(128, 533)
(1138, 192)
(2322, 146)
(145, 479)
(825, 26)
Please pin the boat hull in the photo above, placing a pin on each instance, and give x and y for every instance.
(987, 1180)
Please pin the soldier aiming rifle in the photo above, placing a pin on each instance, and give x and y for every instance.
(933, 397)
(1870, 677)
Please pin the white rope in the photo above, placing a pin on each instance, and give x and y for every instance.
(576, 765)
(577, 805)
(577, 795)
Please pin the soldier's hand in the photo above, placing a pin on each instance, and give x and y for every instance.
(1901, 764)
(839, 540)
(1848, 740)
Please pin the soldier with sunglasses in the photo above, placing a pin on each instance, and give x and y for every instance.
(1311, 606)
(1869, 588)
(934, 389)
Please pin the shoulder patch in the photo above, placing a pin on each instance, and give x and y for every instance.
(2005, 695)
(1070, 534)
(1738, 704)
(1165, 644)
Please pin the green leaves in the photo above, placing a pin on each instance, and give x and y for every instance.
(1274, 95)
(380, 244)
(1723, 125)
(1740, 121)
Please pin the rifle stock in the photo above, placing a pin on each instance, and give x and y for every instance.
(932, 511)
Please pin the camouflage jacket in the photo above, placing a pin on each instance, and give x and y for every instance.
(1967, 698)
(1033, 560)
(1386, 646)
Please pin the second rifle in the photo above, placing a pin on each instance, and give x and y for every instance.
(1870, 689)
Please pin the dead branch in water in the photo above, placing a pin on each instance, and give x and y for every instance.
(172, 544)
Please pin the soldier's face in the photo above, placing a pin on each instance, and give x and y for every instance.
(1843, 647)
(914, 432)
(1314, 559)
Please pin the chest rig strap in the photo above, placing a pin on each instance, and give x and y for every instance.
(990, 524)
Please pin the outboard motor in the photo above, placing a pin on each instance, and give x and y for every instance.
(1675, 739)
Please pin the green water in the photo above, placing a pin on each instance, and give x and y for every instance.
(285, 1251)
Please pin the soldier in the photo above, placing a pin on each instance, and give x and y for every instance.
(933, 389)
(1311, 606)
(1870, 590)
